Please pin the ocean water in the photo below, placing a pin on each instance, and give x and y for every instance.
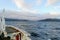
(39, 30)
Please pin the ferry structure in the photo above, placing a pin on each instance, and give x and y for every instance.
(9, 32)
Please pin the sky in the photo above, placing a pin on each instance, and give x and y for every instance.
(37, 7)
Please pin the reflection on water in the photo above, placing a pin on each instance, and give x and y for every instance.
(39, 30)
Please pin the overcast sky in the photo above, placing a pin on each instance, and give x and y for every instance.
(36, 8)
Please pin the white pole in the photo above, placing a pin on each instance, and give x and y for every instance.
(3, 23)
(3, 20)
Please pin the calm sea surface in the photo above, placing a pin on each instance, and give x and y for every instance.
(38, 30)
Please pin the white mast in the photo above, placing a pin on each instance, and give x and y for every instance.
(2, 22)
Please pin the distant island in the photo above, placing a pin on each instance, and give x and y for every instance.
(10, 19)
(57, 20)
(49, 19)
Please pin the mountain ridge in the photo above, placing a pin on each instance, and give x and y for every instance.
(10, 19)
(50, 19)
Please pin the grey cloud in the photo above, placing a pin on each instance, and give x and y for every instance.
(27, 15)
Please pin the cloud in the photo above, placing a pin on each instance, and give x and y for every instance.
(20, 15)
(38, 2)
(54, 13)
(57, 7)
(27, 15)
(21, 4)
(31, 7)
(51, 2)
